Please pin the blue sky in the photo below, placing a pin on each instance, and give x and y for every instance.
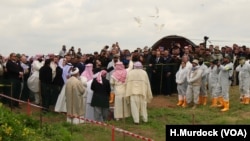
(43, 26)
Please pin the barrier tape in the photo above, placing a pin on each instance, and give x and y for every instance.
(34, 105)
(88, 120)
(116, 128)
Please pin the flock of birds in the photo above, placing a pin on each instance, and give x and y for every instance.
(158, 27)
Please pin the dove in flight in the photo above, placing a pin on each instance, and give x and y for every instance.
(159, 27)
(138, 20)
(156, 14)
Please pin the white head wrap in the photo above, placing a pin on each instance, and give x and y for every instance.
(74, 71)
(138, 65)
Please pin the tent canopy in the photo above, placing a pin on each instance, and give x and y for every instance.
(168, 41)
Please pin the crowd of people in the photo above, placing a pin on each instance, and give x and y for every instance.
(81, 85)
(87, 84)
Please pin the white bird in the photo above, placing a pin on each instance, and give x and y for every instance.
(159, 27)
(156, 13)
(138, 20)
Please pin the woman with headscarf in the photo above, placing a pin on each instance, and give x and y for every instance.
(87, 78)
(118, 85)
(100, 100)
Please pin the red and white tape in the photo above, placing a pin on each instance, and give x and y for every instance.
(34, 105)
(88, 120)
(116, 128)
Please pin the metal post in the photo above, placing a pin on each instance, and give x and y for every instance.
(123, 118)
(113, 133)
(72, 112)
(11, 96)
(161, 78)
(41, 116)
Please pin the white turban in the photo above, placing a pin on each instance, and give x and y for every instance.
(74, 71)
(138, 65)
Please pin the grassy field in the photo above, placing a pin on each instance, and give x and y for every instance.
(162, 112)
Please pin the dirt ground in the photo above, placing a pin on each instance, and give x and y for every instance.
(161, 101)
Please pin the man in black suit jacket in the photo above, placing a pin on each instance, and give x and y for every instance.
(157, 73)
(14, 76)
(81, 64)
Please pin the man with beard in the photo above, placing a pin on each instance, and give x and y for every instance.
(74, 91)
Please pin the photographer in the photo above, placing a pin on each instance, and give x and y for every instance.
(72, 52)
(224, 83)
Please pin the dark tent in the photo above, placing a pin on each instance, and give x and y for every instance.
(168, 42)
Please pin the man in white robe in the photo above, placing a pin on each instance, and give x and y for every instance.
(138, 90)
(33, 81)
(87, 78)
(74, 91)
(118, 84)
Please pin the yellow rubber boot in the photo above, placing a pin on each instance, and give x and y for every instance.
(184, 104)
(200, 101)
(180, 102)
(204, 100)
(214, 102)
(221, 102)
(226, 106)
(111, 98)
(246, 100)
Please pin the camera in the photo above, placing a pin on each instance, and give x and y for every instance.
(206, 38)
